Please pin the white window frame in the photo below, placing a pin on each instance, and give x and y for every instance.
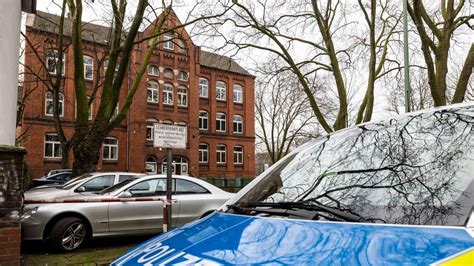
(168, 94)
(155, 92)
(239, 155)
(221, 151)
(182, 96)
(152, 163)
(203, 88)
(153, 70)
(221, 122)
(50, 99)
(56, 146)
(168, 43)
(150, 125)
(110, 147)
(88, 65)
(238, 122)
(238, 93)
(53, 55)
(221, 91)
(203, 153)
(183, 76)
(203, 119)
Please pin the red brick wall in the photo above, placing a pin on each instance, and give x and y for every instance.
(11, 170)
(132, 133)
(10, 245)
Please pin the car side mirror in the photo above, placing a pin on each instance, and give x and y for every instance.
(81, 189)
(125, 194)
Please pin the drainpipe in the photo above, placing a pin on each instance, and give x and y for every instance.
(128, 123)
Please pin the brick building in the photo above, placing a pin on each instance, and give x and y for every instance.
(211, 94)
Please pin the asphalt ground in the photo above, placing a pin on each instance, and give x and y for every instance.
(96, 252)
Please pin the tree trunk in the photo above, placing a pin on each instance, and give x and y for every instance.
(86, 156)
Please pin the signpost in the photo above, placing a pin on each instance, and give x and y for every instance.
(169, 137)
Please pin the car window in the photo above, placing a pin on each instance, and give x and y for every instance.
(99, 183)
(73, 182)
(124, 177)
(61, 177)
(188, 187)
(410, 170)
(148, 188)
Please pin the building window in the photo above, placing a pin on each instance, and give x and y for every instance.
(203, 88)
(238, 155)
(238, 124)
(179, 165)
(52, 146)
(153, 70)
(48, 103)
(52, 57)
(167, 122)
(203, 153)
(183, 75)
(203, 118)
(182, 47)
(88, 67)
(168, 40)
(220, 91)
(220, 152)
(220, 122)
(168, 94)
(152, 92)
(150, 129)
(238, 94)
(182, 96)
(110, 149)
(168, 73)
(150, 165)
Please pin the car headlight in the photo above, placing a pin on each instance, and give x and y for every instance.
(27, 213)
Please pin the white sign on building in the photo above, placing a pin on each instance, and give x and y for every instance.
(170, 136)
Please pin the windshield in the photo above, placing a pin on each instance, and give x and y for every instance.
(118, 185)
(414, 170)
(73, 182)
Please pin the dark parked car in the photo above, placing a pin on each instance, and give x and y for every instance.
(54, 179)
(396, 192)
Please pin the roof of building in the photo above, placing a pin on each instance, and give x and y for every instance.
(221, 62)
(47, 22)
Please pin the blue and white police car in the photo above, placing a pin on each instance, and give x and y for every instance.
(397, 192)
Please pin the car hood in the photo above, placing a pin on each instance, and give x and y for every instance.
(54, 193)
(235, 239)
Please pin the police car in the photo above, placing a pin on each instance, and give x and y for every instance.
(396, 192)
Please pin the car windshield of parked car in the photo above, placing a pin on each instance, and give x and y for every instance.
(73, 182)
(416, 170)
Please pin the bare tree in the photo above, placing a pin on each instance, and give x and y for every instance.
(283, 113)
(313, 39)
(436, 25)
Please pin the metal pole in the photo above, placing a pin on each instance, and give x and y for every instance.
(405, 58)
(167, 205)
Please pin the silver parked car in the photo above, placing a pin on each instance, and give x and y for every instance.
(132, 207)
(86, 183)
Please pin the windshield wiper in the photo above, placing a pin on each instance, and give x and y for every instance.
(305, 209)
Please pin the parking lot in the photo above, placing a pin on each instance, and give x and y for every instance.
(98, 252)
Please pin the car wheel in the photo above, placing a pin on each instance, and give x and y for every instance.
(68, 234)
